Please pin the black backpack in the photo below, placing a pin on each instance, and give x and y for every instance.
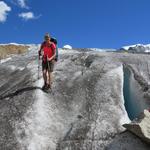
(54, 40)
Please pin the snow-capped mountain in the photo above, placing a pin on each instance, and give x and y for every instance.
(67, 47)
(138, 48)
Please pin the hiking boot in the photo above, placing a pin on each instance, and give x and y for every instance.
(48, 86)
(44, 86)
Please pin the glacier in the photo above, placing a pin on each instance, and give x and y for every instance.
(85, 110)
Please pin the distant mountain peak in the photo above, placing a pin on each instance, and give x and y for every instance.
(137, 48)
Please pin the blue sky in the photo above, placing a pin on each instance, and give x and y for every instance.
(79, 23)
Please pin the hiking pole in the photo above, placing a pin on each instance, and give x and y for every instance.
(38, 67)
(49, 72)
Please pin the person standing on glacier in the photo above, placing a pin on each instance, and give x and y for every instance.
(48, 53)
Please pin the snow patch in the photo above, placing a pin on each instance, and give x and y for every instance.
(5, 60)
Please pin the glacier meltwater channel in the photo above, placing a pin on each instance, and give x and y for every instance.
(133, 95)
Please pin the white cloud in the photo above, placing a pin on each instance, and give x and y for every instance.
(4, 8)
(28, 15)
(22, 3)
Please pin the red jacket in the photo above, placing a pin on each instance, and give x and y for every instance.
(48, 50)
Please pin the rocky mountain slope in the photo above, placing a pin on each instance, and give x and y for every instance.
(8, 49)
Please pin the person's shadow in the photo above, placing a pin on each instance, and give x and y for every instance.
(19, 91)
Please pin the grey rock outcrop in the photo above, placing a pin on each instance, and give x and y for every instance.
(137, 49)
(141, 126)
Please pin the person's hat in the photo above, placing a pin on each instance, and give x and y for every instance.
(47, 36)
